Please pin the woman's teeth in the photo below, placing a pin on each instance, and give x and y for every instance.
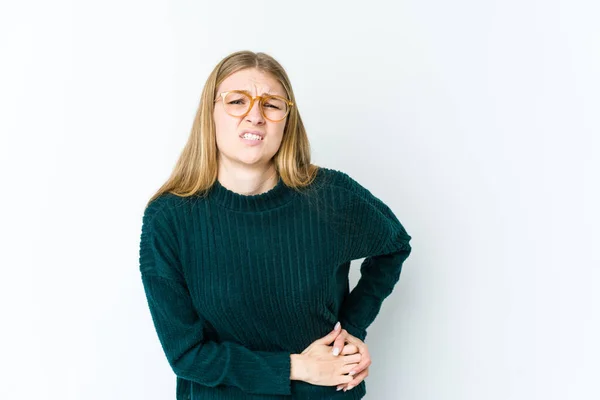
(251, 136)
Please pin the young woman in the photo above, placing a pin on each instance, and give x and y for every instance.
(245, 251)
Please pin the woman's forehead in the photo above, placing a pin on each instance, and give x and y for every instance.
(254, 81)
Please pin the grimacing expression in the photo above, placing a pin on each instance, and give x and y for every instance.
(231, 145)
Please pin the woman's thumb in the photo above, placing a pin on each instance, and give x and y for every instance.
(330, 337)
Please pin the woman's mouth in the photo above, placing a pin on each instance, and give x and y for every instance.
(251, 139)
(251, 136)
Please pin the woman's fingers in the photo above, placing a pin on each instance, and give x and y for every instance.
(354, 382)
(363, 350)
(339, 342)
(347, 368)
(349, 349)
(331, 336)
(355, 341)
(364, 364)
(357, 379)
(350, 362)
(352, 359)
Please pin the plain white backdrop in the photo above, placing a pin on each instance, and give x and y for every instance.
(477, 122)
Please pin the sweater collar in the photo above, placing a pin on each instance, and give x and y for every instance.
(277, 196)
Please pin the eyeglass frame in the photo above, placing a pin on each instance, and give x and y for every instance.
(262, 98)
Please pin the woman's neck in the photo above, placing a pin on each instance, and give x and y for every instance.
(247, 181)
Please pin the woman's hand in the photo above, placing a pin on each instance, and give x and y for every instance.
(319, 366)
(362, 369)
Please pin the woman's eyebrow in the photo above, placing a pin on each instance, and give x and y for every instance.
(250, 94)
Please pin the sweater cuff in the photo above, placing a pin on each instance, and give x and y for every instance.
(353, 330)
(281, 362)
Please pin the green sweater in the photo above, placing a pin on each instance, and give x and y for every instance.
(237, 283)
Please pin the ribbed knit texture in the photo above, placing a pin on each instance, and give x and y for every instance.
(236, 283)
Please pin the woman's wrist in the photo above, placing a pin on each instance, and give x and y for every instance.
(297, 368)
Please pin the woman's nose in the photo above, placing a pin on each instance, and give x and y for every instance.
(254, 115)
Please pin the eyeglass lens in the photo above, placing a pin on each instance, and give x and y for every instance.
(238, 104)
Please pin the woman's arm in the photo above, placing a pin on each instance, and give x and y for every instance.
(376, 234)
(180, 327)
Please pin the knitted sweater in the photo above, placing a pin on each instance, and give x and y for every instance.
(236, 283)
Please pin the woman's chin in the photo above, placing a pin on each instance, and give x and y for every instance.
(254, 158)
(253, 161)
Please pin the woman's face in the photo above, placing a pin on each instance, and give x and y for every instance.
(229, 130)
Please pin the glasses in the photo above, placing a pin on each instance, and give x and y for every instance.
(238, 103)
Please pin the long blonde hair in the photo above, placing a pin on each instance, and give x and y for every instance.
(196, 169)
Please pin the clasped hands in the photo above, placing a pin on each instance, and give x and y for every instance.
(343, 365)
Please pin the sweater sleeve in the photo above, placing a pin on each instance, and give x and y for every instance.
(377, 235)
(180, 327)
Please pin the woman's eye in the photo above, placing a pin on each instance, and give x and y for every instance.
(271, 106)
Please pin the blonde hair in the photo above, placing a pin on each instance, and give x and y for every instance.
(196, 169)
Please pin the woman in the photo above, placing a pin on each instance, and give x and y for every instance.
(245, 251)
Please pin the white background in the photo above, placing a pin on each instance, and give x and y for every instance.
(477, 122)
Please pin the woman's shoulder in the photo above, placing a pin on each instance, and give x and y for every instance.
(340, 180)
(166, 203)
